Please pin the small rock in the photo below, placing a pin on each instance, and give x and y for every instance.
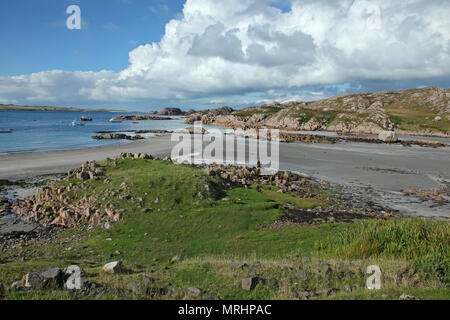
(302, 295)
(254, 268)
(405, 296)
(209, 296)
(17, 284)
(306, 259)
(114, 267)
(326, 292)
(248, 284)
(349, 288)
(194, 292)
(238, 266)
(148, 279)
(273, 283)
(301, 274)
(2, 290)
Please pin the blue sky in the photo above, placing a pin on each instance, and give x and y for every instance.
(36, 38)
(149, 54)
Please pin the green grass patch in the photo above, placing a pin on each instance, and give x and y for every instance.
(208, 233)
(249, 112)
(426, 243)
(417, 118)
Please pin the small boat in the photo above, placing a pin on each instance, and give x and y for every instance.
(6, 131)
(86, 119)
(115, 120)
(77, 124)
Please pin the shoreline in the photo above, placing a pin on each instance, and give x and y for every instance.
(31, 164)
(386, 172)
(332, 134)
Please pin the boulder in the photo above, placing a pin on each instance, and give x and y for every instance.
(388, 136)
(114, 267)
(45, 279)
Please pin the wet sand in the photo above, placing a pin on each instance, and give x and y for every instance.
(387, 169)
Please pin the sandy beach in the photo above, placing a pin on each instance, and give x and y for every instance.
(23, 165)
(379, 171)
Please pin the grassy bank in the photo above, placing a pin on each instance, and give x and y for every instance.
(183, 229)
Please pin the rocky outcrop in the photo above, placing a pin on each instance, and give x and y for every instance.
(364, 113)
(209, 116)
(171, 112)
(55, 205)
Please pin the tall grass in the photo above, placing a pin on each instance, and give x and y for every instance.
(426, 243)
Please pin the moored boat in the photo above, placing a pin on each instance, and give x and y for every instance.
(6, 131)
(77, 124)
(86, 119)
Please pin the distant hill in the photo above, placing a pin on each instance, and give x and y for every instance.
(39, 108)
(416, 111)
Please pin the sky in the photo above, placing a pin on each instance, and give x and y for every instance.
(148, 54)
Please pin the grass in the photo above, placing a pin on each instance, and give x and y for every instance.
(267, 110)
(301, 203)
(424, 242)
(208, 234)
(417, 118)
(303, 115)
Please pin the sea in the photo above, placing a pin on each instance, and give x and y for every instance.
(35, 131)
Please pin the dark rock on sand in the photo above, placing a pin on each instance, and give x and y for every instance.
(117, 136)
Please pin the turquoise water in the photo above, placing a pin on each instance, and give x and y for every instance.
(35, 131)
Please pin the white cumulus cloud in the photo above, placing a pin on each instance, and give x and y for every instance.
(249, 50)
